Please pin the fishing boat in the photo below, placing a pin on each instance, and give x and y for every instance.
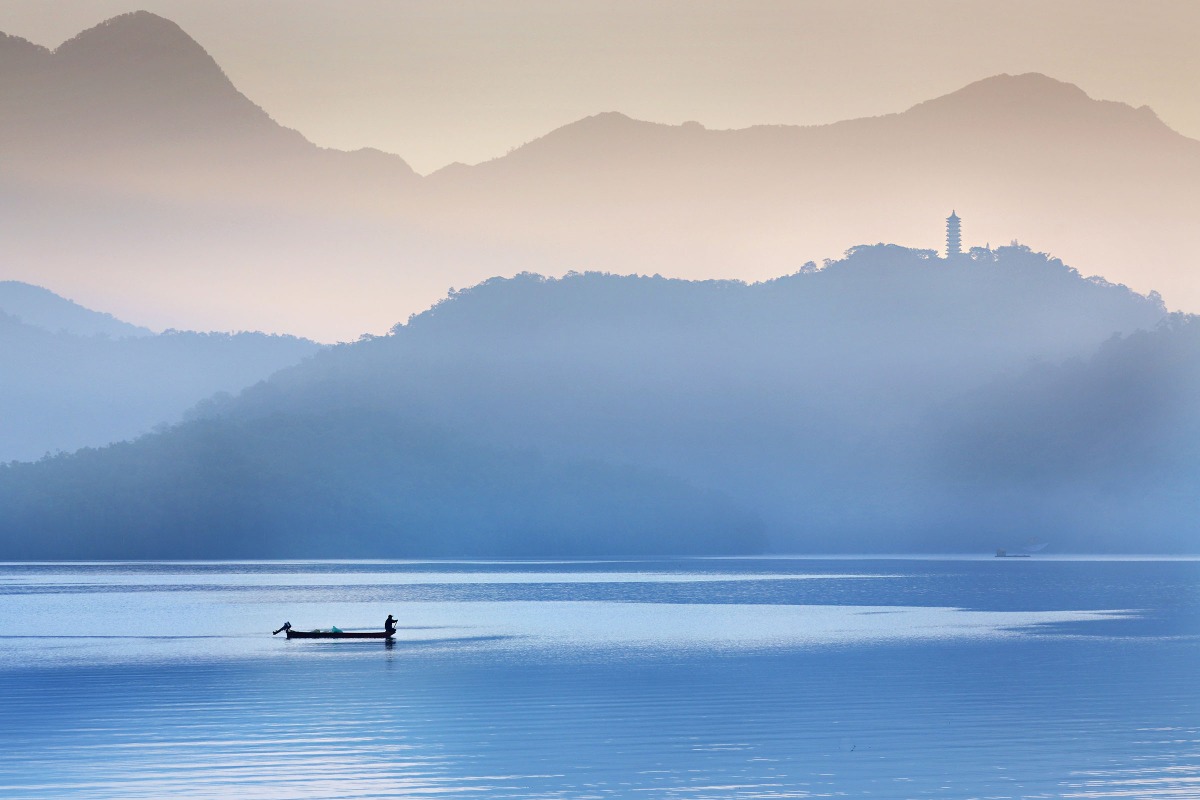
(334, 633)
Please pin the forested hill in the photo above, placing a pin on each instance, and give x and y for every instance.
(1102, 452)
(108, 380)
(44, 309)
(853, 407)
(360, 483)
(872, 338)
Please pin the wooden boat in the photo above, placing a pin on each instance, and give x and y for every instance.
(291, 634)
(334, 634)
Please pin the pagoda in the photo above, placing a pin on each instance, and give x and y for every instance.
(953, 235)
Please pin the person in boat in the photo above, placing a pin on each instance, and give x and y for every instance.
(389, 625)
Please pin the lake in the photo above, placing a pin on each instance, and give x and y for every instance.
(689, 678)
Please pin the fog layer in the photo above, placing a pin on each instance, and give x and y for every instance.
(71, 377)
(891, 401)
(139, 179)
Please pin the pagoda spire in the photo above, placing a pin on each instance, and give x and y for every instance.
(953, 235)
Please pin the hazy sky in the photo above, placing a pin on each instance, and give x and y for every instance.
(438, 81)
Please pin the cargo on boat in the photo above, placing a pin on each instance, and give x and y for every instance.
(334, 633)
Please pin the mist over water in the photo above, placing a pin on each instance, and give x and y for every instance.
(698, 678)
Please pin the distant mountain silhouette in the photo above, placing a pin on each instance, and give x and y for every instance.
(1026, 154)
(43, 309)
(74, 377)
(136, 104)
(134, 76)
(862, 407)
(129, 153)
(1035, 100)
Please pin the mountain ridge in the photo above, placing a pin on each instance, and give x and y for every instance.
(1003, 93)
(73, 377)
(859, 407)
(42, 308)
(1020, 156)
(136, 101)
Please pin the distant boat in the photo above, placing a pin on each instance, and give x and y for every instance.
(333, 633)
(1032, 547)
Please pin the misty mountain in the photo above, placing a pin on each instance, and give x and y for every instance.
(801, 396)
(76, 378)
(834, 403)
(1105, 449)
(362, 483)
(43, 309)
(1023, 154)
(132, 156)
(136, 104)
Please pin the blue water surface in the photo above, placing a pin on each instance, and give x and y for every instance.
(698, 678)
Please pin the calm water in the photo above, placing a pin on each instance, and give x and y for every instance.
(773, 678)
